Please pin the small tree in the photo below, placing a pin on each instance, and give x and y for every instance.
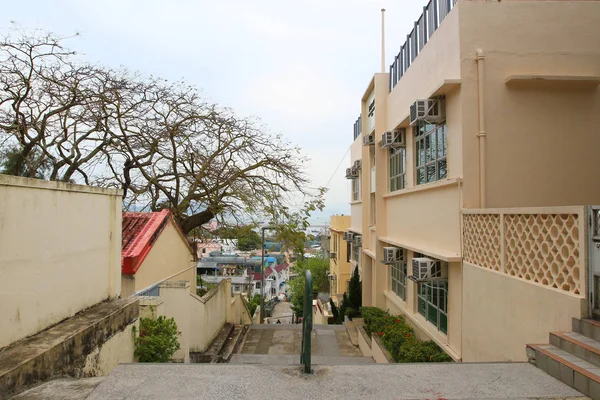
(352, 301)
(157, 341)
(335, 312)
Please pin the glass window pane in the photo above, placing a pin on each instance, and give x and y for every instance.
(432, 314)
(431, 173)
(443, 323)
(421, 152)
(441, 145)
(445, 139)
(442, 169)
(427, 148)
(422, 307)
(421, 175)
(433, 145)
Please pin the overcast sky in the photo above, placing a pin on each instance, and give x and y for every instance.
(300, 66)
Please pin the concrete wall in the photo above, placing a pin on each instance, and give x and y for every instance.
(340, 266)
(502, 314)
(199, 319)
(169, 258)
(364, 342)
(379, 352)
(60, 248)
(538, 136)
(116, 350)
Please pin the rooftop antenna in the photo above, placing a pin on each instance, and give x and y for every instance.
(383, 40)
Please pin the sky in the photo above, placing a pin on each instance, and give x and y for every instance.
(301, 67)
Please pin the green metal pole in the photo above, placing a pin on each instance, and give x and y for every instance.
(307, 325)
(262, 279)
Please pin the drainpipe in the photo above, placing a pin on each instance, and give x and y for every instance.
(480, 58)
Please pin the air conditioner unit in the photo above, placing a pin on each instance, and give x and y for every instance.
(429, 110)
(424, 268)
(350, 173)
(357, 165)
(391, 255)
(369, 140)
(348, 236)
(396, 138)
(331, 277)
(357, 240)
(332, 254)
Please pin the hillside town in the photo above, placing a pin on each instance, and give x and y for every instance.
(198, 197)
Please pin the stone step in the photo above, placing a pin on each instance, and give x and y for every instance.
(60, 389)
(578, 345)
(211, 355)
(587, 327)
(233, 342)
(273, 359)
(574, 371)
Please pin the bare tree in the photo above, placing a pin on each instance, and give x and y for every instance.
(162, 143)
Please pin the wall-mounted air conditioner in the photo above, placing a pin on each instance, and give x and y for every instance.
(424, 268)
(369, 140)
(357, 166)
(357, 240)
(351, 173)
(395, 138)
(428, 110)
(348, 236)
(333, 254)
(391, 255)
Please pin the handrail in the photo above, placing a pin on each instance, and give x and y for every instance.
(307, 325)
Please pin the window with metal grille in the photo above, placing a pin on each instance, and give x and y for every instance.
(433, 303)
(397, 168)
(430, 152)
(399, 273)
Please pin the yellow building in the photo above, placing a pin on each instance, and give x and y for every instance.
(471, 160)
(340, 267)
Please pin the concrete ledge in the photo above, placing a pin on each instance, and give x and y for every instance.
(9, 180)
(364, 342)
(62, 349)
(379, 352)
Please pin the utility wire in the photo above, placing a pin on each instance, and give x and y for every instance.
(336, 168)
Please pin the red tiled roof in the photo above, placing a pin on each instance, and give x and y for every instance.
(256, 276)
(140, 230)
(281, 267)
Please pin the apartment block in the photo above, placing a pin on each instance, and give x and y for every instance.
(340, 264)
(474, 168)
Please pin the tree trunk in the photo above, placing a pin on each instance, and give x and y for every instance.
(194, 221)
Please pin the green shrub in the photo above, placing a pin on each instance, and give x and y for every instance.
(399, 338)
(157, 341)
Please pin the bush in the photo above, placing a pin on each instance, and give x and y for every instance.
(399, 338)
(157, 341)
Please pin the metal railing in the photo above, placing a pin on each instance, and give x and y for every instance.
(357, 127)
(305, 356)
(433, 15)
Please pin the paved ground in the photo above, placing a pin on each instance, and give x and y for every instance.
(59, 389)
(327, 341)
(282, 312)
(377, 382)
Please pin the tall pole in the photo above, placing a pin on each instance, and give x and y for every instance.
(262, 277)
(383, 40)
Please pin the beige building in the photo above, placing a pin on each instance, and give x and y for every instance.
(340, 264)
(471, 160)
(154, 250)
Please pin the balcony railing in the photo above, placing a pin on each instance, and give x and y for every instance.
(357, 127)
(433, 15)
(543, 246)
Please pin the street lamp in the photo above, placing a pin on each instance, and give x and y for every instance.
(262, 273)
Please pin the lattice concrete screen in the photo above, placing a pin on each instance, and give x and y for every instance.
(544, 248)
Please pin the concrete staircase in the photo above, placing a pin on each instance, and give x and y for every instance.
(221, 349)
(281, 344)
(572, 357)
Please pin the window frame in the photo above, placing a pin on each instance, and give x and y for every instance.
(397, 168)
(399, 273)
(356, 189)
(434, 306)
(427, 144)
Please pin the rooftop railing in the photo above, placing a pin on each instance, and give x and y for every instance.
(357, 127)
(433, 15)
